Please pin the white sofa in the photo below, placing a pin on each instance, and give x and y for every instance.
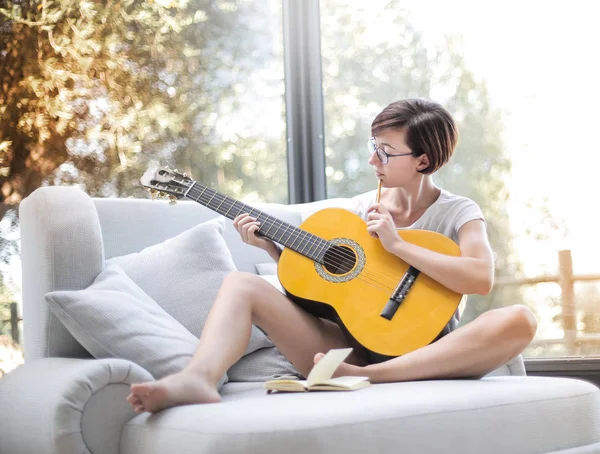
(63, 401)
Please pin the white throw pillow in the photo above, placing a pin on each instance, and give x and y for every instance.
(266, 268)
(183, 275)
(114, 318)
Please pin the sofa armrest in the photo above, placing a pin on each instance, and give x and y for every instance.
(65, 405)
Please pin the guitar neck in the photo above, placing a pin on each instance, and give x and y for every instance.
(275, 229)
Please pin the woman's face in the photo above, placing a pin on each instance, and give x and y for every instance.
(401, 166)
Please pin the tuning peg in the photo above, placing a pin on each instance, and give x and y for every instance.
(154, 193)
(172, 200)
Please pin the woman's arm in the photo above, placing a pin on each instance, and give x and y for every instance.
(471, 273)
(274, 252)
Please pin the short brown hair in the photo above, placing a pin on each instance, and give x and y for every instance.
(430, 129)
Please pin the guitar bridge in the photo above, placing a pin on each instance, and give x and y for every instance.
(400, 293)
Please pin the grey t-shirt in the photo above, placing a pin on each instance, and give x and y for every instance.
(446, 216)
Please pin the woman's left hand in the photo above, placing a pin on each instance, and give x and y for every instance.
(381, 225)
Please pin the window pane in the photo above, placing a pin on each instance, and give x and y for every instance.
(195, 85)
(525, 98)
(212, 104)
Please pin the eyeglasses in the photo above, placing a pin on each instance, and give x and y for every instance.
(382, 155)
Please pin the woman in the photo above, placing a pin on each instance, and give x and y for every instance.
(411, 140)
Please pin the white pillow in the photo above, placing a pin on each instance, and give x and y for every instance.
(268, 271)
(183, 275)
(266, 268)
(114, 318)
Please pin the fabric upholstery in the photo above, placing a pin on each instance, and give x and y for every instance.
(517, 415)
(52, 405)
(59, 405)
(62, 249)
(114, 318)
(183, 274)
(262, 365)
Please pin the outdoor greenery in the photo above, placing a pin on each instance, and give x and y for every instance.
(91, 91)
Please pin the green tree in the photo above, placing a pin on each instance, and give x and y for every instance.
(92, 91)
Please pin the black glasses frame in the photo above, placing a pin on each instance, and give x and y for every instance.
(383, 155)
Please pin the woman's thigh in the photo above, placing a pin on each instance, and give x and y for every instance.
(297, 334)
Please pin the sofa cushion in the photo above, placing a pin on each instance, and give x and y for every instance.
(114, 318)
(184, 273)
(493, 415)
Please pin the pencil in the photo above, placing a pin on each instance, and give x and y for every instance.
(378, 190)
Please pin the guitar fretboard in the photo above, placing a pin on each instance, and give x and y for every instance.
(275, 229)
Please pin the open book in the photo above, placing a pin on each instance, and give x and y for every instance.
(319, 378)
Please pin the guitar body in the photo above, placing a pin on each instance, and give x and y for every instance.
(355, 293)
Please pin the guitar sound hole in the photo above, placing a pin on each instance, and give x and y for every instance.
(339, 260)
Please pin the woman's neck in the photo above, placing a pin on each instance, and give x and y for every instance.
(408, 202)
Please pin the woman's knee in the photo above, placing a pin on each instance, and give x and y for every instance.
(518, 323)
(247, 285)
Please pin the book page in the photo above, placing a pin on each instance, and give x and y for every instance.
(325, 368)
(344, 382)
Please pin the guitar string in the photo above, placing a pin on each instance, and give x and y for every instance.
(343, 255)
(389, 282)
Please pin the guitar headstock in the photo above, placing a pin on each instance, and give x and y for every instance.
(162, 181)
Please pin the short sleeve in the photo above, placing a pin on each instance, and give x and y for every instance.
(467, 210)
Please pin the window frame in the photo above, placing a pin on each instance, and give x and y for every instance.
(306, 139)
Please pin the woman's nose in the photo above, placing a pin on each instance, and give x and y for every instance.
(373, 160)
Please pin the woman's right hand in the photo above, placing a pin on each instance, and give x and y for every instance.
(247, 227)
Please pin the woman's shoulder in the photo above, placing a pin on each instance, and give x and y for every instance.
(459, 208)
(450, 199)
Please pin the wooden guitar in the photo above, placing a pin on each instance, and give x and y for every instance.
(334, 269)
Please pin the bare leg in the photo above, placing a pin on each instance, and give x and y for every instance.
(471, 351)
(244, 299)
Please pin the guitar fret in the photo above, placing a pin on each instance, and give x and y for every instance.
(272, 224)
(217, 210)
(205, 188)
(232, 205)
(281, 240)
(306, 234)
(323, 244)
(313, 245)
(297, 236)
(211, 199)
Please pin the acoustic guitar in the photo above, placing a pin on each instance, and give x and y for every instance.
(334, 269)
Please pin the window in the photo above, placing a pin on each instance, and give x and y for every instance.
(523, 90)
(198, 86)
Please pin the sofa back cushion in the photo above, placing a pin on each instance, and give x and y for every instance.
(130, 225)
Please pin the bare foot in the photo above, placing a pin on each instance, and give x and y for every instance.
(182, 388)
(343, 369)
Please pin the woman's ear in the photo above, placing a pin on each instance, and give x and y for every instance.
(423, 162)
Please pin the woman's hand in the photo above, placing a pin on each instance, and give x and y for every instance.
(247, 227)
(381, 225)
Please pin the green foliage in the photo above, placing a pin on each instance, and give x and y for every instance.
(92, 91)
